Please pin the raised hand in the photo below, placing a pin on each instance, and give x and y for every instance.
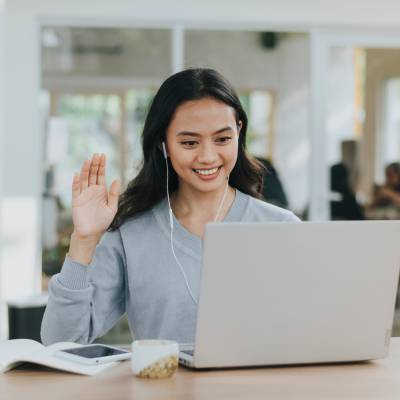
(93, 207)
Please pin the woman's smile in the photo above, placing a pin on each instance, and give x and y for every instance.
(207, 173)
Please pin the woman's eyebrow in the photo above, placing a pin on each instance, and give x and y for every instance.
(188, 133)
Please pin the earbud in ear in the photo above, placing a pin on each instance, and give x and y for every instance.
(164, 150)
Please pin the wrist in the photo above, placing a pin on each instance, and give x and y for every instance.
(82, 248)
(86, 239)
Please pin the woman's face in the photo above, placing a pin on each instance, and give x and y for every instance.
(202, 143)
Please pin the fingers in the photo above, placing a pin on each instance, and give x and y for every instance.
(84, 178)
(94, 169)
(114, 194)
(92, 172)
(76, 186)
(101, 176)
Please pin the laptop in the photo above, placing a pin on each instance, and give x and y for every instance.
(295, 293)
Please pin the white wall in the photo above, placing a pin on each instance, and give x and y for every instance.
(292, 133)
(2, 311)
(298, 14)
(340, 101)
(21, 146)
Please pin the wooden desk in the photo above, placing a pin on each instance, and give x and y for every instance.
(368, 380)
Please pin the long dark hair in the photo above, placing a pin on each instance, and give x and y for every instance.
(149, 186)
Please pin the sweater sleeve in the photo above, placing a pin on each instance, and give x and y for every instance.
(291, 217)
(85, 301)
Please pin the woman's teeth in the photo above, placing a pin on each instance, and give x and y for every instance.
(206, 171)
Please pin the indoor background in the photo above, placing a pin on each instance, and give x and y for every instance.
(320, 84)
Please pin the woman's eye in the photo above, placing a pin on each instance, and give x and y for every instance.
(224, 139)
(189, 143)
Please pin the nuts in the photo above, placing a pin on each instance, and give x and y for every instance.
(163, 368)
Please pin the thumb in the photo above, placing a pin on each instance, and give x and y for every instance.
(113, 195)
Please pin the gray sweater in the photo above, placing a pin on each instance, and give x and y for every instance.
(133, 271)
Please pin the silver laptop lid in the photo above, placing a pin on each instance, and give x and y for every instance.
(285, 293)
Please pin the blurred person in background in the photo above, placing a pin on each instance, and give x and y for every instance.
(389, 193)
(272, 189)
(344, 205)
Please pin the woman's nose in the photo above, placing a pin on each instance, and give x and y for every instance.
(207, 154)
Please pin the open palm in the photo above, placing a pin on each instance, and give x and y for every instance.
(93, 207)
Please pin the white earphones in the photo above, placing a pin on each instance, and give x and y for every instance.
(171, 223)
(164, 151)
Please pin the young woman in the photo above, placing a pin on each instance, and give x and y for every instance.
(123, 257)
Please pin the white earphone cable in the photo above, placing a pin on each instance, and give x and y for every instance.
(223, 199)
(171, 223)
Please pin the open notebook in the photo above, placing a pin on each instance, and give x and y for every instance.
(18, 351)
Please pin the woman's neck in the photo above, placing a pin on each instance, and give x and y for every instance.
(203, 207)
